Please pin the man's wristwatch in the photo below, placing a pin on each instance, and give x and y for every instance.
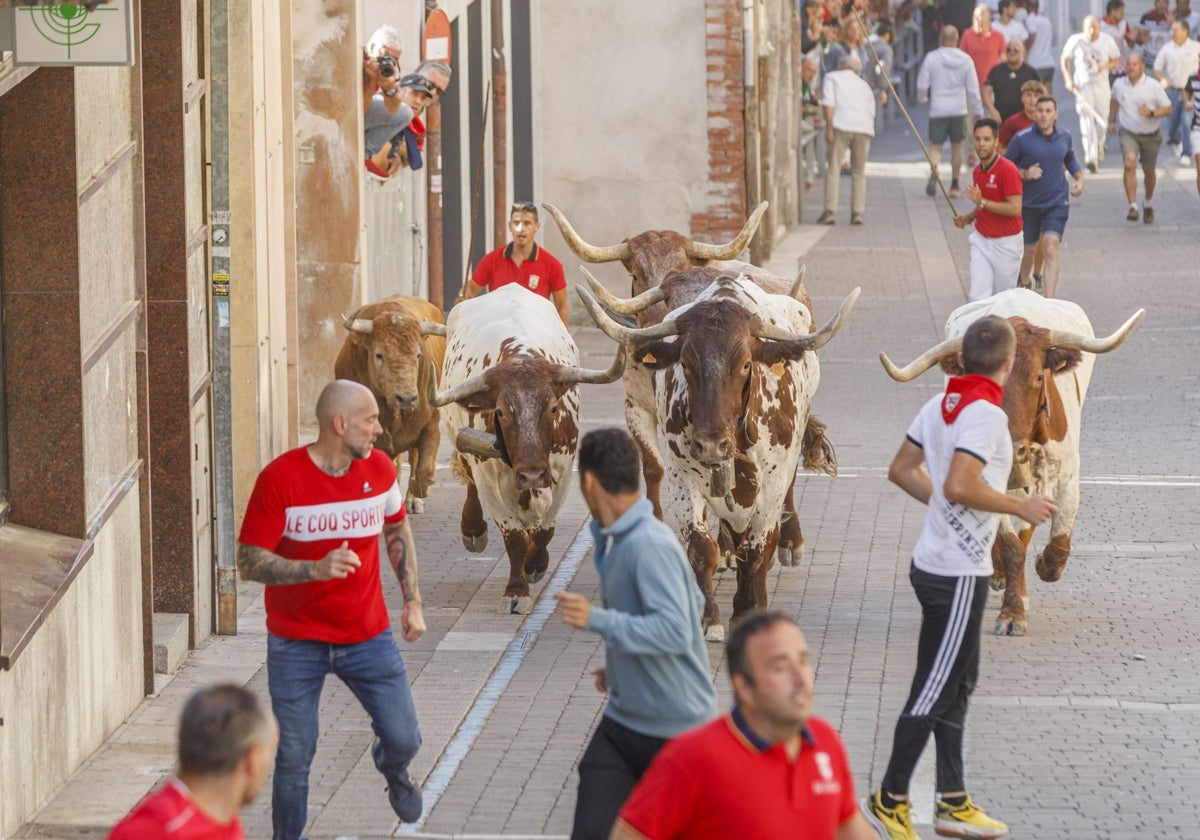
(982, 204)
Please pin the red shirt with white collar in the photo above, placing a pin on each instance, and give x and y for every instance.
(996, 183)
(540, 272)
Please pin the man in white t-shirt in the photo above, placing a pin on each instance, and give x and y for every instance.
(1041, 42)
(1178, 59)
(1138, 104)
(962, 438)
(1087, 58)
(1007, 25)
(849, 105)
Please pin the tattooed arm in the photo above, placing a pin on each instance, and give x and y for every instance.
(403, 556)
(255, 563)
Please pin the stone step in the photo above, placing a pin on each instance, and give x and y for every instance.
(170, 641)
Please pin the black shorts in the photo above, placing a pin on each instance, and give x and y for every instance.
(1039, 220)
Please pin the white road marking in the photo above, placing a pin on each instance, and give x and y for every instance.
(452, 757)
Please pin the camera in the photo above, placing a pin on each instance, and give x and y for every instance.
(387, 65)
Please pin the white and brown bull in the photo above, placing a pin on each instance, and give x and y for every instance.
(650, 257)
(395, 347)
(1043, 399)
(512, 407)
(736, 369)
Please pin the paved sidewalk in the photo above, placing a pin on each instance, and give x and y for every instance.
(1088, 727)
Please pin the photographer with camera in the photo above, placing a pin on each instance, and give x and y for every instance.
(386, 113)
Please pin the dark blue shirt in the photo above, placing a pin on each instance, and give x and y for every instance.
(1052, 152)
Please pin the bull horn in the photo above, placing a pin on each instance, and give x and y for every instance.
(623, 306)
(923, 362)
(459, 392)
(584, 376)
(798, 286)
(619, 332)
(817, 340)
(477, 442)
(358, 325)
(583, 250)
(700, 251)
(432, 328)
(1060, 338)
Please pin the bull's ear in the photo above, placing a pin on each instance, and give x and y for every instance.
(1061, 359)
(479, 401)
(771, 353)
(950, 365)
(657, 355)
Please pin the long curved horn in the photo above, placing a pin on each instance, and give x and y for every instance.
(623, 306)
(583, 250)
(817, 340)
(923, 362)
(432, 328)
(358, 325)
(459, 392)
(584, 376)
(1061, 338)
(798, 286)
(700, 251)
(619, 332)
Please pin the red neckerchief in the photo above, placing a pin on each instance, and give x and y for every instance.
(961, 391)
(418, 130)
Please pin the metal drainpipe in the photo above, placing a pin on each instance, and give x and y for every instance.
(218, 100)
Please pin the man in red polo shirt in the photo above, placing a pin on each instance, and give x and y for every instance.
(997, 243)
(770, 744)
(521, 261)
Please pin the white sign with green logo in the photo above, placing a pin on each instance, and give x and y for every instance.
(73, 35)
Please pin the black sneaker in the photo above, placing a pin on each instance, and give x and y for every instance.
(405, 797)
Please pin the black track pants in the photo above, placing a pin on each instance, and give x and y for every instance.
(614, 761)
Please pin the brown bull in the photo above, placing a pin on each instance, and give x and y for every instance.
(395, 347)
(650, 257)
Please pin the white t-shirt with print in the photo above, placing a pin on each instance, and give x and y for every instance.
(1088, 57)
(957, 540)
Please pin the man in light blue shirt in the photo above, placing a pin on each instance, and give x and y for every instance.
(656, 670)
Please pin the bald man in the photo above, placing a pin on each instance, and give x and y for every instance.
(311, 534)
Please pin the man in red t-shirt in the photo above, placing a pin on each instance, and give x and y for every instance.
(225, 748)
(1030, 92)
(997, 244)
(770, 744)
(523, 262)
(311, 534)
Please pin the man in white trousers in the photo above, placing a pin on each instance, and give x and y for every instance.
(1086, 60)
(997, 243)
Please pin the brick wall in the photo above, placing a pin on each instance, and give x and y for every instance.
(724, 207)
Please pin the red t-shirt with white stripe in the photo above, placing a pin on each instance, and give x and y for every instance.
(996, 183)
(299, 512)
(170, 814)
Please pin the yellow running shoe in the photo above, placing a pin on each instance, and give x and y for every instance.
(966, 820)
(891, 823)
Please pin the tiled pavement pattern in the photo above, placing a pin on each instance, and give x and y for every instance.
(1089, 727)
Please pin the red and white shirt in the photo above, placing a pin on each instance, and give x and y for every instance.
(540, 273)
(997, 183)
(299, 512)
(170, 814)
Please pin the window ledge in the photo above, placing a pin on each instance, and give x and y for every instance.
(37, 570)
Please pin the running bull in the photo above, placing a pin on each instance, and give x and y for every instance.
(512, 408)
(395, 347)
(735, 373)
(1043, 399)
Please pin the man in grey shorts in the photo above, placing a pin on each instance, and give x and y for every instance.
(946, 73)
(1138, 105)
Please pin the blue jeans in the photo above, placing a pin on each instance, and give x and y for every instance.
(1177, 123)
(296, 671)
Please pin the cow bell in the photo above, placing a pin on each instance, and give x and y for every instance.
(477, 442)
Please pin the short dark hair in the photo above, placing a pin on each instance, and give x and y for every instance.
(1113, 5)
(988, 122)
(524, 207)
(219, 724)
(1051, 99)
(1004, 4)
(751, 624)
(885, 27)
(612, 456)
(987, 345)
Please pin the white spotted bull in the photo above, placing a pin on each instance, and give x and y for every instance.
(735, 373)
(1043, 399)
(512, 408)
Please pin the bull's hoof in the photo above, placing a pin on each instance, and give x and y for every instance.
(1047, 572)
(715, 633)
(1009, 626)
(415, 505)
(534, 577)
(475, 544)
(515, 604)
(789, 556)
(997, 582)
